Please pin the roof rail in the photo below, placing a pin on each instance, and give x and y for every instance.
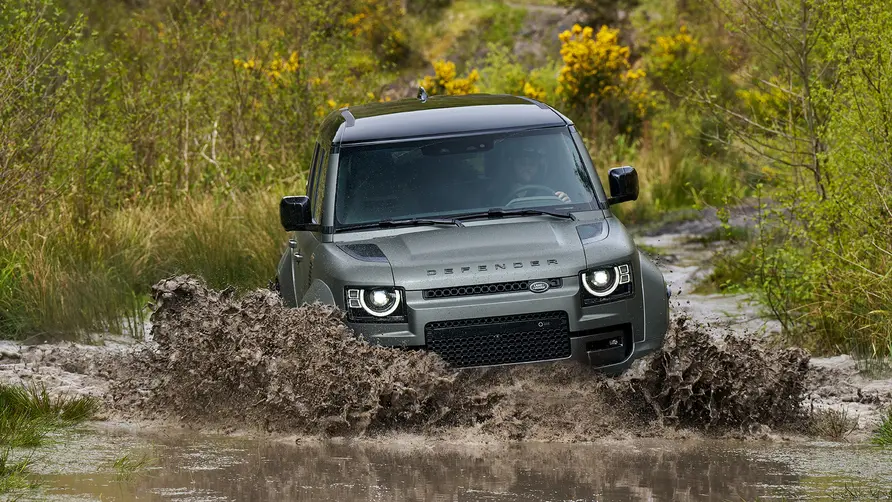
(348, 117)
(422, 94)
(537, 103)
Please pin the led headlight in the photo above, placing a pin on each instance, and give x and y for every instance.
(607, 281)
(378, 302)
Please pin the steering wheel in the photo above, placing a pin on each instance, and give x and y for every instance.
(541, 189)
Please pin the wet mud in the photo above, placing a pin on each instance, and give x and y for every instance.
(245, 361)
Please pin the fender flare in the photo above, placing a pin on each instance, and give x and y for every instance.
(319, 292)
(656, 300)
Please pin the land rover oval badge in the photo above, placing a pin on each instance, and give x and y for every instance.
(539, 287)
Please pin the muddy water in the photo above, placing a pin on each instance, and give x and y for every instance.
(189, 467)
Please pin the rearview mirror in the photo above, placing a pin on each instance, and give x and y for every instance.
(623, 184)
(294, 211)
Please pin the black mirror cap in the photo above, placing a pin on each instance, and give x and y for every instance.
(294, 211)
(623, 184)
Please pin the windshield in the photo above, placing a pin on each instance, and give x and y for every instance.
(538, 169)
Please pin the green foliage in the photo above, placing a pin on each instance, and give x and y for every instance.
(464, 30)
(13, 473)
(825, 260)
(599, 12)
(127, 466)
(882, 436)
(417, 7)
(27, 416)
(134, 151)
(38, 79)
(501, 73)
(81, 281)
(832, 424)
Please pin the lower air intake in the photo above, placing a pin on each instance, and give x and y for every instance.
(500, 340)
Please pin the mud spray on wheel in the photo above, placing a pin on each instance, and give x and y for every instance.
(221, 358)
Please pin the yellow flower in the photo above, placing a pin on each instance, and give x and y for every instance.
(445, 81)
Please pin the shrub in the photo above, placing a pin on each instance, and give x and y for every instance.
(672, 61)
(500, 73)
(446, 81)
(39, 50)
(882, 436)
(598, 76)
(378, 24)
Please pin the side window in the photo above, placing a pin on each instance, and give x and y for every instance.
(312, 171)
(319, 187)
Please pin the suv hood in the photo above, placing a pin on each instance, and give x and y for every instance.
(483, 253)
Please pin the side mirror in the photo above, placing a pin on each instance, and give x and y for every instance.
(623, 184)
(294, 211)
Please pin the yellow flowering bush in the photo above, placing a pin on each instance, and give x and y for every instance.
(446, 81)
(533, 92)
(378, 23)
(596, 73)
(671, 59)
(332, 105)
(279, 71)
(765, 105)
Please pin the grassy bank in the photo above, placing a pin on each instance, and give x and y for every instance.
(28, 416)
(60, 277)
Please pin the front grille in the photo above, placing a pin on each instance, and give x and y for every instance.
(500, 340)
(487, 289)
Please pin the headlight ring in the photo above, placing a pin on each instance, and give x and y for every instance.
(603, 282)
(379, 302)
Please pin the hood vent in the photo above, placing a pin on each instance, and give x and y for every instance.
(364, 252)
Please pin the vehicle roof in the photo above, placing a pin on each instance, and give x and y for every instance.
(439, 116)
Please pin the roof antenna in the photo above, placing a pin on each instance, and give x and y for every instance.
(422, 94)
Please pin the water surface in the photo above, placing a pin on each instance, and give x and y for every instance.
(190, 467)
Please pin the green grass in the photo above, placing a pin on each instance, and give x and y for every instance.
(464, 28)
(27, 416)
(834, 425)
(546, 3)
(128, 466)
(859, 493)
(730, 234)
(882, 436)
(99, 278)
(730, 275)
(13, 474)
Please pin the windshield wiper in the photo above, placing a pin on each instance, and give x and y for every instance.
(408, 222)
(501, 213)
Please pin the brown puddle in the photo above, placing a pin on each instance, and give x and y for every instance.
(190, 467)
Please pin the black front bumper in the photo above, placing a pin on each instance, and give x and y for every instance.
(522, 338)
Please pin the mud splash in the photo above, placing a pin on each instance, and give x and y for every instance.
(698, 380)
(247, 361)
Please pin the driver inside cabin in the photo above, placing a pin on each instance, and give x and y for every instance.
(527, 170)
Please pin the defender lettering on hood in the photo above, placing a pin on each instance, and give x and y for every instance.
(495, 266)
